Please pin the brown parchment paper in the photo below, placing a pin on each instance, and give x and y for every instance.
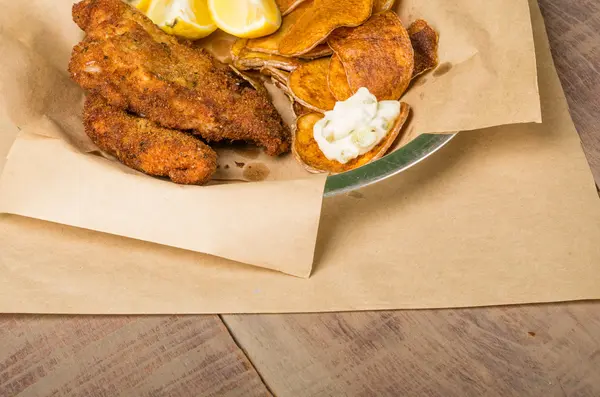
(509, 215)
(55, 173)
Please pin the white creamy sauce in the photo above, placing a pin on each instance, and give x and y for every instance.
(355, 126)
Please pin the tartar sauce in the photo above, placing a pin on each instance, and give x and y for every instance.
(355, 126)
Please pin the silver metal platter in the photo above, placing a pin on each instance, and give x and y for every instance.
(394, 163)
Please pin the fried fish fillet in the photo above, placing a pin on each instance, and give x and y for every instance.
(135, 66)
(142, 145)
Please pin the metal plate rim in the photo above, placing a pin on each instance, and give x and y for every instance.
(394, 163)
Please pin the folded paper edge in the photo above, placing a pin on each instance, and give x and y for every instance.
(27, 134)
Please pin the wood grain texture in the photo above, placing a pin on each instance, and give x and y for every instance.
(122, 356)
(551, 350)
(548, 350)
(574, 33)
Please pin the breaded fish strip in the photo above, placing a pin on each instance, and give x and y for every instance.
(142, 145)
(135, 66)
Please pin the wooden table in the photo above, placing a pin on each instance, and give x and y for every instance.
(543, 350)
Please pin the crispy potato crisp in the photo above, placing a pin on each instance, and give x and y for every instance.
(314, 25)
(308, 84)
(377, 55)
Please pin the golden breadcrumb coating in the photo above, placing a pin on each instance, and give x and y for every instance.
(135, 66)
(143, 145)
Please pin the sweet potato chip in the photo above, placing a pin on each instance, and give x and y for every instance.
(237, 47)
(425, 44)
(253, 78)
(257, 60)
(377, 55)
(308, 85)
(314, 26)
(280, 75)
(244, 58)
(382, 5)
(307, 151)
(287, 6)
(337, 80)
(320, 51)
(300, 110)
(270, 43)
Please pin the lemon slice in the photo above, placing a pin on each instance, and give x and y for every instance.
(141, 5)
(189, 19)
(246, 18)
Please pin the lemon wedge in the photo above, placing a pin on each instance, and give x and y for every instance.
(189, 19)
(141, 5)
(246, 18)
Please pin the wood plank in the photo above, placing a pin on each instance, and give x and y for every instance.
(573, 30)
(122, 356)
(549, 350)
(530, 350)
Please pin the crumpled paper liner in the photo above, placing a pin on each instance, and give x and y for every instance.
(487, 77)
(508, 215)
